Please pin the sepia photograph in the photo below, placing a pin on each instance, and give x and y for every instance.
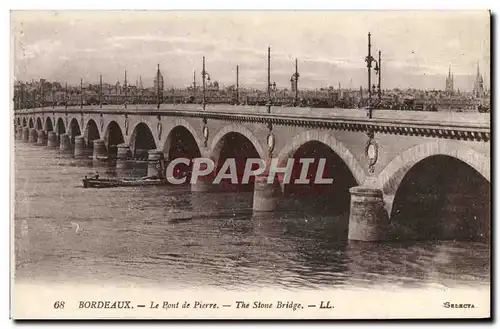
(212, 164)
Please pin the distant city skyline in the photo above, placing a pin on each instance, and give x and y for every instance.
(417, 47)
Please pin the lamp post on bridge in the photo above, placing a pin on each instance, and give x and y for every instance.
(204, 75)
(295, 82)
(194, 87)
(159, 95)
(379, 72)
(42, 92)
(369, 60)
(126, 89)
(100, 91)
(237, 84)
(21, 96)
(141, 87)
(53, 96)
(66, 96)
(81, 93)
(270, 86)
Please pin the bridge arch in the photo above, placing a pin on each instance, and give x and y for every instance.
(181, 142)
(239, 144)
(218, 140)
(178, 125)
(48, 125)
(74, 130)
(339, 166)
(91, 133)
(39, 124)
(30, 123)
(392, 175)
(113, 136)
(438, 190)
(327, 139)
(60, 126)
(141, 140)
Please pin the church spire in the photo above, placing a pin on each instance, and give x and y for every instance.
(449, 82)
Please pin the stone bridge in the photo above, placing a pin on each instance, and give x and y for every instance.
(369, 159)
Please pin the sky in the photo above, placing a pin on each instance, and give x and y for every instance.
(418, 47)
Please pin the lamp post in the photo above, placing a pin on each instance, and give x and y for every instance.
(53, 96)
(369, 60)
(126, 89)
(21, 96)
(379, 72)
(295, 82)
(237, 84)
(270, 86)
(81, 93)
(42, 92)
(194, 87)
(141, 89)
(159, 96)
(66, 96)
(204, 75)
(100, 90)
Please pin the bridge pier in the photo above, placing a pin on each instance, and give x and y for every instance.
(265, 195)
(368, 218)
(52, 140)
(155, 163)
(122, 156)
(26, 134)
(64, 143)
(41, 138)
(79, 146)
(19, 132)
(33, 135)
(99, 151)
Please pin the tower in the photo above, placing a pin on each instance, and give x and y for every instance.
(478, 84)
(158, 80)
(140, 83)
(449, 83)
(292, 85)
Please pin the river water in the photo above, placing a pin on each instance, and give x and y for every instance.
(170, 237)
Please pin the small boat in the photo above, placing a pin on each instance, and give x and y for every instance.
(180, 219)
(96, 182)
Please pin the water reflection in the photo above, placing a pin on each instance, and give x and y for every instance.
(166, 235)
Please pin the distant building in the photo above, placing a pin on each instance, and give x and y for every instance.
(449, 83)
(478, 84)
(212, 86)
(158, 80)
(293, 85)
(118, 88)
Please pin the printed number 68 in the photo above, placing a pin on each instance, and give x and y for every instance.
(59, 304)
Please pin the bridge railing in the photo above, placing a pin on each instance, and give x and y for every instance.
(444, 118)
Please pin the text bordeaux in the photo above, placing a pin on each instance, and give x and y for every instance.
(104, 304)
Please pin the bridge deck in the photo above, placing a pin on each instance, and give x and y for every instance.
(448, 119)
